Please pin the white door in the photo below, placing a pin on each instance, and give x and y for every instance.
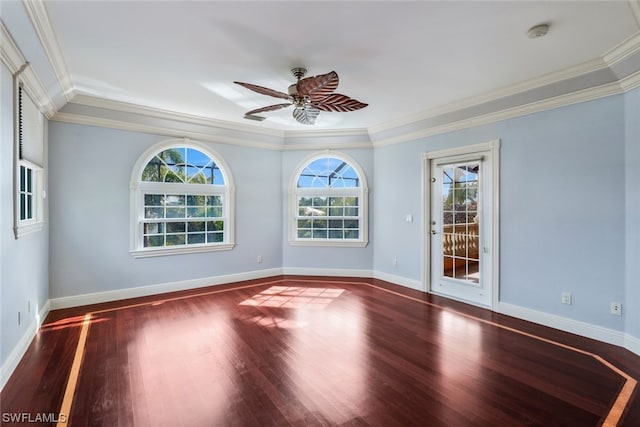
(461, 223)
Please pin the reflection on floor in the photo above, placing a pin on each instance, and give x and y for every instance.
(294, 297)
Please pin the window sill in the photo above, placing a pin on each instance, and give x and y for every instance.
(148, 253)
(23, 230)
(330, 243)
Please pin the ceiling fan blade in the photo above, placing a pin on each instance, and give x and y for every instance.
(339, 103)
(318, 87)
(306, 115)
(267, 108)
(264, 90)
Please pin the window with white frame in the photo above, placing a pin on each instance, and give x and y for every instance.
(28, 192)
(28, 164)
(182, 201)
(329, 202)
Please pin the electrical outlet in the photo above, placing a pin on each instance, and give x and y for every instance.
(566, 298)
(259, 259)
(616, 308)
(394, 263)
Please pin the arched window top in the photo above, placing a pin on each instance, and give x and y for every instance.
(329, 172)
(182, 164)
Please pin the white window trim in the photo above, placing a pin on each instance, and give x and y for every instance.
(138, 188)
(23, 227)
(361, 192)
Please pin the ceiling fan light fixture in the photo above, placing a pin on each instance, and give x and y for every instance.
(538, 31)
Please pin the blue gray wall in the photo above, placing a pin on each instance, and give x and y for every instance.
(632, 231)
(90, 214)
(24, 263)
(562, 215)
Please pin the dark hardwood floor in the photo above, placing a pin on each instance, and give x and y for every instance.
(305, 351)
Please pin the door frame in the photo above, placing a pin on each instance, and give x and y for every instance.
(490, 149)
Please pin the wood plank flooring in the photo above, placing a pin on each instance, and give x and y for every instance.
(302, 351)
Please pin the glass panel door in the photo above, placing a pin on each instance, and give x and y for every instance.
(460, 222)
(461, 228)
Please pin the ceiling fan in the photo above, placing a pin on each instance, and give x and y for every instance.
(309, 96)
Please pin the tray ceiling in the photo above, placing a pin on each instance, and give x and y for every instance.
(402, 58)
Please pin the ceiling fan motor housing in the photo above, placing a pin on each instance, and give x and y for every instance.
(298, 72)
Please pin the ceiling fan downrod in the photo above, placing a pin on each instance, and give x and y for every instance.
(298, 101)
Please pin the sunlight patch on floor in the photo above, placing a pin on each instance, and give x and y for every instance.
(294, 297)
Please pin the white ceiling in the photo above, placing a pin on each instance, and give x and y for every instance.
(402, 58)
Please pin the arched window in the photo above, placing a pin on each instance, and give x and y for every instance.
(182, 201)
(329, 202)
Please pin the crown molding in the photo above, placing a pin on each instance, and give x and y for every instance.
(584, 95)
(320, 133)
(300, 139)
(9, 52)
(14, 60)
(630, 82)
(127, 107)
(39, 17)
(327, 145)
(212, 136)
(622, 51)
(160, 130)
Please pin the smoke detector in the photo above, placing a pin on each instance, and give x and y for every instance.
(538, 31)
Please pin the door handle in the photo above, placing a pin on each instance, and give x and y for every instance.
(434, 232)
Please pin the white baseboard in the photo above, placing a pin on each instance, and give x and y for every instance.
(584, 329)
(330, 272)
(143, 291)
(11, 363)
(632, 343)
(399, 280)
